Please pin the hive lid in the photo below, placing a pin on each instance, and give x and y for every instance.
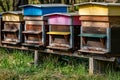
(65, 14)
(45, 5)
(98, 3)
(12, 12)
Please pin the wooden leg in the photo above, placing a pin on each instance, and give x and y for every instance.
(99, 66)
(94, 66)
(36, 57)
(91, 66)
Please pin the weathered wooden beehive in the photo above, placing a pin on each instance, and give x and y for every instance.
(63, 31)
(35, 25)
(12, 27)
(100, 27)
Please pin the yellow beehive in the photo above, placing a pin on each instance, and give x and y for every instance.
(12, 16)
(103, 9)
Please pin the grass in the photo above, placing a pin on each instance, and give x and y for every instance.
(14, 65)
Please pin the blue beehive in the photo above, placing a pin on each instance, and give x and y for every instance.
(42, 9)
(36, 25)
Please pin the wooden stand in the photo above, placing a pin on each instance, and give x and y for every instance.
(99, 66)
(36, 57)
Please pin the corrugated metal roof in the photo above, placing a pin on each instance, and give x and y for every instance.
(45, 5)
(13, 12)
(98, 3)
(66, 14)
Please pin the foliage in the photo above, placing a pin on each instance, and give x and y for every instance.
(15, 65)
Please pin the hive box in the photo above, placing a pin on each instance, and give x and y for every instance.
(63, 31)
(42, 9)
(100, 27)
(12, 27)
(103, 9)
(36, 25)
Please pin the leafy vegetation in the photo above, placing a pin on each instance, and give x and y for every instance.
(15, 65)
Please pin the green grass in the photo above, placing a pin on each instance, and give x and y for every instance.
(14, 65)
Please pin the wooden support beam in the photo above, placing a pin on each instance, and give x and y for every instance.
(99, 66)
(91, 66)
(36, 57)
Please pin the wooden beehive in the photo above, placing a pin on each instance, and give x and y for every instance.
(63, 31)
(42, 9)
(100, 27)
(35, 25)
(12, 28)
(34, 31)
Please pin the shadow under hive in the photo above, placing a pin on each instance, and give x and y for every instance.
(12, 27)
(63, 31)
(100, 27)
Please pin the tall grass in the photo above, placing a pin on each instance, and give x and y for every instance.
(14, 65)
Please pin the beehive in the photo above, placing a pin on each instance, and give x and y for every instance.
(63, 31)
(12, 28)
(35, 25)
(100, 27)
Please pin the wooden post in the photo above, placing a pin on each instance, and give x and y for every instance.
(99, 66)
(91, 66)
(36, 57)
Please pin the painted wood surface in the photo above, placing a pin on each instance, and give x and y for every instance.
(63, 20)
(93, 10)
(59, 20)
(38, 11)
(76, 20)
(12, 17)
(100, 9)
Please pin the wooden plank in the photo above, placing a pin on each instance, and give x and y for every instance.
(93, 9)
(99, 9)
(93, 35)
(32, 18)
(10, 42)
(93, 51)
(33, 27)
(59, 20)
(35, 22)
(36, 57)
(60, 28)
(12, 17)
(94, 18)
(6, 30)
(58, 33)
(32, 45)
(94, 30)
(91, 66)
(95, 24)
(59, 48)
(32, 32)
